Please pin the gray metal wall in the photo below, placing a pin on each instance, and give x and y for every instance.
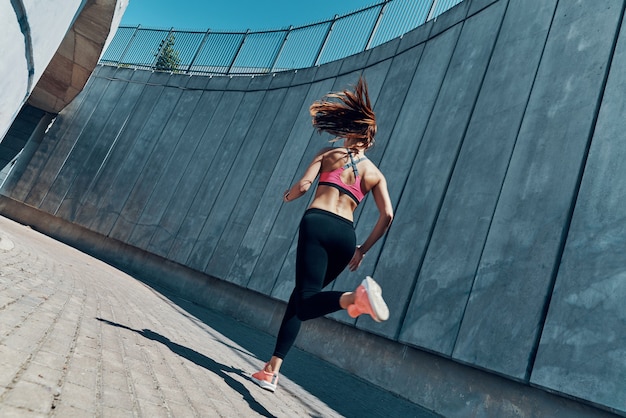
(500, 132)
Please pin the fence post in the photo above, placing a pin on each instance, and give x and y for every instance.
(193, 60)
(375, 27)
(280, 50)
(130, 41)
(432, 10)
(319, 53)
(243, 41)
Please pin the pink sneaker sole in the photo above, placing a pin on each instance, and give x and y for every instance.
(369, 300)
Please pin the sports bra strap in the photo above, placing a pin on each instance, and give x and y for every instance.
(353, 164)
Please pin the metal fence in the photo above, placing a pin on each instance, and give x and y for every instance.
(239, 53)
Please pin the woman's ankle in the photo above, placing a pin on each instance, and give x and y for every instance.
(346, 300)
(273, 366)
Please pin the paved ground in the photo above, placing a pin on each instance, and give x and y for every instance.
(79, 338)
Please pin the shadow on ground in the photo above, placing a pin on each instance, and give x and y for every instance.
(346, 394)
(202, 361)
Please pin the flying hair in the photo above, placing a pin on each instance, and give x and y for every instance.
(347, 114)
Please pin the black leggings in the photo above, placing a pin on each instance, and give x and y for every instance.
(326, 244)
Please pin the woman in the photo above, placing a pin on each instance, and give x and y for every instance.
(327, 241)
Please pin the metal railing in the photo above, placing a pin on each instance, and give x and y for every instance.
(248, 53)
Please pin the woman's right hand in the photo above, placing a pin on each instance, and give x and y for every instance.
(357, 258)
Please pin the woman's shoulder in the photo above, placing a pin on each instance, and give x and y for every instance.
(372, 172)
(332, 155)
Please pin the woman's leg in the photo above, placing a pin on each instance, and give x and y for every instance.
(289, 328)
(325, 246)
(326, 251)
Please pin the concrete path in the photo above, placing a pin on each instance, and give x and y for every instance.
(79, 338)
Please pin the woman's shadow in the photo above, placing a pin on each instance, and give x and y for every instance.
(202, 361)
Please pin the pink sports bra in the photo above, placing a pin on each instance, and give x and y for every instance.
(333, 179)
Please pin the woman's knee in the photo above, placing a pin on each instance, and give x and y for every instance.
(303, 309)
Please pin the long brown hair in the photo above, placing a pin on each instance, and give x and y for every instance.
(350, 116)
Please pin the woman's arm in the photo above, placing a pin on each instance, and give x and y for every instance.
(302, 186)
(385, 216)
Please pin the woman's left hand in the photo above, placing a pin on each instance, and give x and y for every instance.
(357, 258)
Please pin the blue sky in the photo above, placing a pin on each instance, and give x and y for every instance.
(235, 15)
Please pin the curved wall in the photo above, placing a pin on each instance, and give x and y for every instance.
(499, 133)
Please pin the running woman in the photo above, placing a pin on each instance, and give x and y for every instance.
(327, 241)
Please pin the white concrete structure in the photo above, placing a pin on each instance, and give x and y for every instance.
(49, 51)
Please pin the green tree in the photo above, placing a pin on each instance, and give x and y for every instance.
(167, 59)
